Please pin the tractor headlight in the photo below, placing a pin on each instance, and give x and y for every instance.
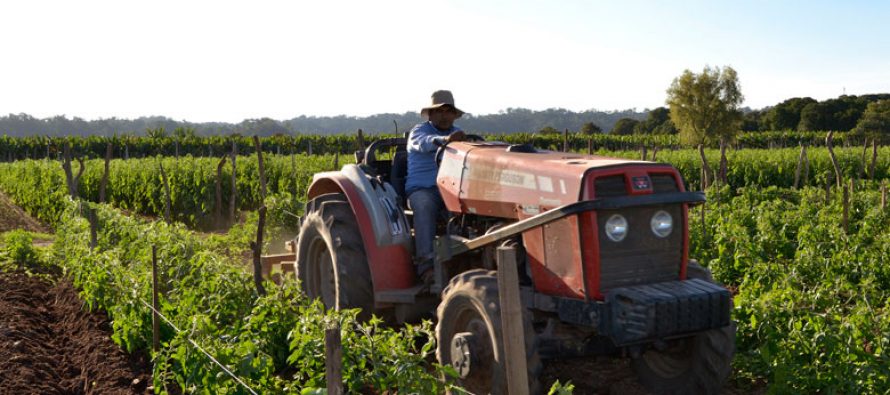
(662, 224)
(616, 228)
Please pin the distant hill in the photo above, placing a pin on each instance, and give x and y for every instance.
(512, 120)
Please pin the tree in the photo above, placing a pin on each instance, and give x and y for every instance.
(657, 122)
(624, 126)
(753, 121)
(590, 128)
(786, 115)
(705, 108)
(549, 130)
(875, 122)
(817, 116)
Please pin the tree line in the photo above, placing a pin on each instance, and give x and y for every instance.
(803, 114)
(511, 120)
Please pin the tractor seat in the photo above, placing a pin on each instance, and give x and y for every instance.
(398, 174)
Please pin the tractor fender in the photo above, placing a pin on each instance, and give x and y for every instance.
(382, 224)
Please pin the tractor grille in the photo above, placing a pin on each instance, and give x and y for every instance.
(610, 186)
(642, 257)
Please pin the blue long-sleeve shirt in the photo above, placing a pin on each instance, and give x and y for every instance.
(423, 141)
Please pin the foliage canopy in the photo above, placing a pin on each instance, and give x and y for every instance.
(705, 107)
(875, 122)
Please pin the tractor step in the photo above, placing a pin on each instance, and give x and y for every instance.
(399, 296)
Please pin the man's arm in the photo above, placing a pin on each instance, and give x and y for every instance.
(425, 140)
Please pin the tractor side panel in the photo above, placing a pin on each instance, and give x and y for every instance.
(391, 264)
(554, 256)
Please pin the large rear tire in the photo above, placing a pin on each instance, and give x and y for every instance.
(696, 365)
(331, 260)
(469, 335)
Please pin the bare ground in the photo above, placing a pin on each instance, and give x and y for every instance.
(50, 345)
(12, 217)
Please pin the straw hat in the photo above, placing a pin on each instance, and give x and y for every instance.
(440, 99)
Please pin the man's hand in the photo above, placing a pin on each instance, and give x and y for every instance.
(457, 136)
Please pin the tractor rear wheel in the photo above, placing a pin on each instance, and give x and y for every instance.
(696, 365)
(331, 261)
(469, 335)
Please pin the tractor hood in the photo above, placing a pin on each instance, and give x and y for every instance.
(517, 181)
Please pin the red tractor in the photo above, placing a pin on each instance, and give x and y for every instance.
(602, 261)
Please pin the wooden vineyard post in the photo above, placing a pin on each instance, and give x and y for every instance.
(259, 156)
(217, 209)
(233, 202)
(723, 163)
(94, 226)
(797, 169)
(874, 159)
(705, 169)
(155, 320)
(704, 230)
(883, 194)
(837, 170)
(846, 196)
(565, 141)
(257, 248)
(109, 150)
(360, 140)
(862, 169)
(73, 181)
(336, 160)
(293, 167)
(643, 153)
(167, 199)
(800, 165)
(590, 146)
(654, 153)
(310, 148)
(511, 318)
(333, 361)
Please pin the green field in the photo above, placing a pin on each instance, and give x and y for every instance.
(812, 295)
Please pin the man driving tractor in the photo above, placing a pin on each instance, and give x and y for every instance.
(423, 194)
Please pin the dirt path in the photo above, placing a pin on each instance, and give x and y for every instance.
(49, 345)
(13, 217)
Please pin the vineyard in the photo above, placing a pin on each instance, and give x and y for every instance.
(802, 251)
(130, 146)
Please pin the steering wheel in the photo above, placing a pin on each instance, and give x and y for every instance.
(441, 151)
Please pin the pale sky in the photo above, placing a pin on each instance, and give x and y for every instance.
(226, 61)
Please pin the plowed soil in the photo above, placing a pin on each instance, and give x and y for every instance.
(13, 217)
(50, 345)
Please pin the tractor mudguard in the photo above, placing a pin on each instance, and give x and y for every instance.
(383, 226)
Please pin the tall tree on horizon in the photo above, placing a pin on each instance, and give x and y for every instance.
(706, 108)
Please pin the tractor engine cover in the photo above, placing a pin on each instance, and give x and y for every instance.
(512, 181)
(571, 257)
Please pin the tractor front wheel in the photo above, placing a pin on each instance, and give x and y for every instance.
(331, 261)
(696, 365)
(469, 335)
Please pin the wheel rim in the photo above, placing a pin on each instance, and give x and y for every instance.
(472, 354)
(320, 279)
(671, 362)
